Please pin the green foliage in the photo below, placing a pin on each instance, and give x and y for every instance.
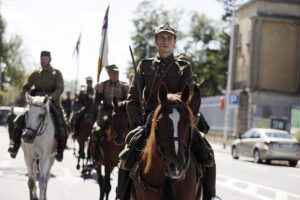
(12, 65)
(208, 51)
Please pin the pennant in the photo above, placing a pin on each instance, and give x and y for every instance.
(76, 50)
(103, 54)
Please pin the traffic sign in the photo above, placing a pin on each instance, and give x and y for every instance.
(234, 99)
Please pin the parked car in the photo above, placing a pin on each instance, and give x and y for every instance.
(5, 110)
(267, 144)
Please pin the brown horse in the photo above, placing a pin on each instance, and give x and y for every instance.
(112, 144)
(86, 121)
(166, 169)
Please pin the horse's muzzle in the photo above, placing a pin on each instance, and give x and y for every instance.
(176, 170)
(29, 136)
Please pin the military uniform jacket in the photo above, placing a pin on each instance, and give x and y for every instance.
(108, 90)
(86, 96)
(45, 81)
(178, 74)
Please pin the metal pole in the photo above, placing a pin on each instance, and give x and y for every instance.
(76, 80)
(229, 80)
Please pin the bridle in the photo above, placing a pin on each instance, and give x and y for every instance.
(40, 129)
(186, 144)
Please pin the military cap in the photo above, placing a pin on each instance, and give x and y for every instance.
(89, 78)
(46, 53)
(112, 67)
(165, 28)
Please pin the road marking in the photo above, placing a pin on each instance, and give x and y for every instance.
(297, 175)
(253, 188)
(3, 164)
(67, 178)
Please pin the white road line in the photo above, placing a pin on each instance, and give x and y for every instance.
(3, 164)
(297, 175)
(252, 188)
(67, 178)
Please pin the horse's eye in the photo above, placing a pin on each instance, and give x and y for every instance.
(41, 115)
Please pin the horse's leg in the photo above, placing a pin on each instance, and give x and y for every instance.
(100, 180)
(45, 164)
(30, 162)
(107, 185)
(79, 156)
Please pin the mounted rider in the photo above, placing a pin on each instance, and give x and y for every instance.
(85, 97)
(174, 71)
(67, 104)
(41, 82)
(105, 92)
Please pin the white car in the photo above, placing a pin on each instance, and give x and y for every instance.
(267, 144)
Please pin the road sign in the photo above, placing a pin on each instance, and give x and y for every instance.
(233, 99)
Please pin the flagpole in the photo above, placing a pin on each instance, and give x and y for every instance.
(76, 80)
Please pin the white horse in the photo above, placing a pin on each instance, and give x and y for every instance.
(38, 144)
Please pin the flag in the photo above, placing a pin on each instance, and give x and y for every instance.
(103, 54)
(76, 50)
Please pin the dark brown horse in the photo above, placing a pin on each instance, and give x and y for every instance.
(111, 145)
(86, 121)
(166, 169)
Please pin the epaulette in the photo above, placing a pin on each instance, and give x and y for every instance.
(123, 83)
(182, 58)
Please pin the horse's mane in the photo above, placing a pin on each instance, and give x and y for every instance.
(38, 100)
(149, 151)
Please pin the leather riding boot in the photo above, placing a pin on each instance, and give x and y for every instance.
(93, 147)
(17, 134)
(15, 143)
(209, 183)
(61, 145)
(201, 150)
(123, 183)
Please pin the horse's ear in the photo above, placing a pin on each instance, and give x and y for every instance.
(28, 98)
(115, 102)
(200, 85)
(162, 92)
(45, 99)
(185, 93)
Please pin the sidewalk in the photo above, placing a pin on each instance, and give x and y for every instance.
(217, 147)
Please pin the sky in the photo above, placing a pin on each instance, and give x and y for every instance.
(55, 26)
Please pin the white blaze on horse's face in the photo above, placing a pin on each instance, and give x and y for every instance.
(35, 112)
(174, 116)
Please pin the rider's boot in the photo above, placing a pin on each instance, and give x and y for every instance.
(15, 143)
(205, 156)
(61, 134)
(17, 134)
(61, 145)
(123, 183)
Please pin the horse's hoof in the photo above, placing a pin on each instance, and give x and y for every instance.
(78, 167)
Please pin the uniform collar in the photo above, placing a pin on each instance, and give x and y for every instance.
(166, 60)
(49, 68)
(111, 83)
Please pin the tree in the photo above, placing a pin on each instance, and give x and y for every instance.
(12, 66)
(229, 7)
(148, 17)
(208, 49)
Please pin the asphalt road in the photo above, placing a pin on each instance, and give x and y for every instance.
(236, 179)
